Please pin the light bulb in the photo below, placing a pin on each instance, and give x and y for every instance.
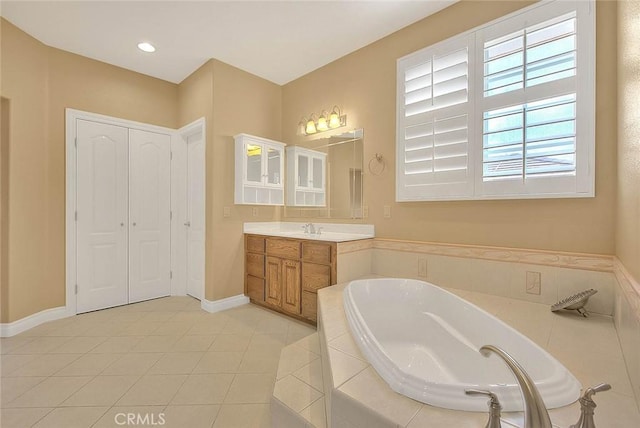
(311, 127)
(322, 123)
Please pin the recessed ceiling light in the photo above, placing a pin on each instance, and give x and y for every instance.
(147, 47)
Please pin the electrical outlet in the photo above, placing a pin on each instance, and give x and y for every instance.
(422, 267)
(365, 211)
(533, 283)
(255, 211)
(226, 212)
(387, 211)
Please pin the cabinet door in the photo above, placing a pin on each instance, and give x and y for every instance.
(318, 177)
(273, 277)
(274, 166)
(291, 286)
(302, 160)
(253, 158)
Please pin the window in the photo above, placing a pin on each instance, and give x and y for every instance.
(502, 111)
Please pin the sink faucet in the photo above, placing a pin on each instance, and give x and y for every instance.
(535, 412)
(309, 228)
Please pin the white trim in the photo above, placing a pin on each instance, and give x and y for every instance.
(31, 321)
(72, 116)
(224, 304)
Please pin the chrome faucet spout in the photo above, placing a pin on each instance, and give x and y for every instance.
(535, 412)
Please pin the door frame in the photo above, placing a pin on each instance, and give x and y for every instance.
(71, 115)
(179, 203)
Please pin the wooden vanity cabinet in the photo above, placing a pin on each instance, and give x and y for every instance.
(254, 268)
(285, 274)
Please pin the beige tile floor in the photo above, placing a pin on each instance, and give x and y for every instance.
(163, 360)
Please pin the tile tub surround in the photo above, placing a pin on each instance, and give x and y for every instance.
(298, 398)
(335, 232)
(627, 321)
(356, 396)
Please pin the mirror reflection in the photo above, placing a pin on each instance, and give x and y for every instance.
(324, 177)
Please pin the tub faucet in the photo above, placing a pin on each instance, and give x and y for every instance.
(535, 412)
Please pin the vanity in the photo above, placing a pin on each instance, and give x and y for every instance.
(286, 263)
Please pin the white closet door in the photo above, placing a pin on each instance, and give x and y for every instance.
(102, 157)
(149, 210)
(195, 215)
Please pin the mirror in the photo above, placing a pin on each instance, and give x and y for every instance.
(324, 176)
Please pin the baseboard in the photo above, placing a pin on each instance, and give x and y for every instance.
(24, 324)
(223, 304)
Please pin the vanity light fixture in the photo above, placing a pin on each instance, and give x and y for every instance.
(324, 123)
(146, 47)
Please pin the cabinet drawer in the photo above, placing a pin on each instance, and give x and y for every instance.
(316, 252)
(255, 288)
(255, 244)
(284, 248)
(254, 264)
(310, 305)
(315, 276)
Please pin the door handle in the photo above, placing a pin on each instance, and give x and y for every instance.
(187, 223)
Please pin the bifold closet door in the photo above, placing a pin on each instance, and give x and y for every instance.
(149, 215)
(102, 215)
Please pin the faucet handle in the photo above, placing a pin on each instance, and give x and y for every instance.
(587, 406)
(494, 406)
(598, 388)
(319, 230)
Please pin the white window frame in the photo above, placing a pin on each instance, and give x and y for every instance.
(582, 184)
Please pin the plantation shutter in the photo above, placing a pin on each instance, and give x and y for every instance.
(433, 122)
(506, 110)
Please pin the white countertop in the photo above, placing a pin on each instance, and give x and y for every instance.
(331, 232)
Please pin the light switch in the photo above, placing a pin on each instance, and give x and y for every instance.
(387, 211)
(226, 212)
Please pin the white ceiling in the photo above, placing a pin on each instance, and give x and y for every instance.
(277, 40)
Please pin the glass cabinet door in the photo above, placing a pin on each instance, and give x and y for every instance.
(253, 157)
(274, 158)
(318, 173)
(303, 171)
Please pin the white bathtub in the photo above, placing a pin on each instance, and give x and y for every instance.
(423, 341)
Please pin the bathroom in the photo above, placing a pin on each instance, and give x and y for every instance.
(552, 236)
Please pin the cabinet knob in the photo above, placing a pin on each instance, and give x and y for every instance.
(134, 223)
(187, 223)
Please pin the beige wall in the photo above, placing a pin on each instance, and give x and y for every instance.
(25, 84)
(364, 84)
(233, 102)
(40, 83)
(628, 213)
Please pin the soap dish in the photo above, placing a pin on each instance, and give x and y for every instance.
(575, 302)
